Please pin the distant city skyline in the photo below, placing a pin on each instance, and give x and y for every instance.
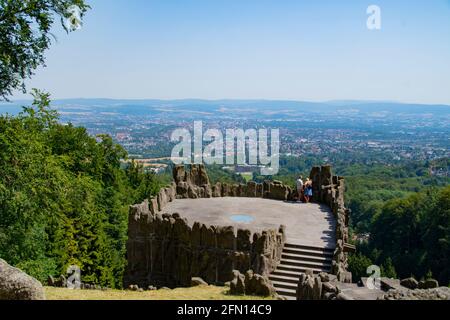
(255, 49)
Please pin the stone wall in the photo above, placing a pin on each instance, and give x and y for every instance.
(195, 184)
(251, 284)
(327, 287)
(329, 189)
(319, 287)
(164, 249)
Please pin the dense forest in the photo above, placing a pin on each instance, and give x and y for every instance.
(400, 214)
(410, 237)
(64, 197)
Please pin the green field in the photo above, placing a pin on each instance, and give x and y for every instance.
(248, 176)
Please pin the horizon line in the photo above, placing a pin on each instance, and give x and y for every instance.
(12, 101)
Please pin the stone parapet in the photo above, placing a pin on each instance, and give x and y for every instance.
(164, 249)
(329, 190)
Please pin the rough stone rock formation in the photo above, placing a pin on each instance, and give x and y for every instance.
(329, 190)
(17, 285)
(319, 287)
(251, 284)
(237, 284)
(217, 190)
(59, 282)
(164, 250)
(409, 283)
(193, 183)
(278, 191)
(442, 293)
(197, 281)
(327, 287)
(428, 284)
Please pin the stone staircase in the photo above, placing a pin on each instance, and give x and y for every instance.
(295, 260)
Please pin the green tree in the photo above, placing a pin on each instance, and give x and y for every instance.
(25, 36)
(412, 235)
(358, 264)
(64, 197)
(30, 181)
(435, 235)
(388, 269)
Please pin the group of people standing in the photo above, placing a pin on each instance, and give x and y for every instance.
(304, 189)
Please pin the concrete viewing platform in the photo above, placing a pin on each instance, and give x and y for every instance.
(306, 224)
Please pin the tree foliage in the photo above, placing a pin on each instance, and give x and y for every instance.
(64, 197)
(358, 264)
(401, 207)
(412, 235)
(25, 36)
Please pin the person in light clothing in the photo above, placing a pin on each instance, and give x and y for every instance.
(300, 188)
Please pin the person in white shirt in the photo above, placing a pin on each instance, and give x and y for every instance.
(300, 187)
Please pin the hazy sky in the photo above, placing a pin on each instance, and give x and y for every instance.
(212, 49)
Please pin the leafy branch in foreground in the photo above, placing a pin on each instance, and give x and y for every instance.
(25, 36)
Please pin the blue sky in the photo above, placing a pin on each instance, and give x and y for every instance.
(214, 49)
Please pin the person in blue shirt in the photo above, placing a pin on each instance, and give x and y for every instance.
(308, 190)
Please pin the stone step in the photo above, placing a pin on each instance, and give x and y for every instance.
(306, 264)
(310, 253)
(309, 248)
(295, 260)
(284, 285)
(287, 293)
(298, 270)
(301, 257)
(286, 273)
(284, 278)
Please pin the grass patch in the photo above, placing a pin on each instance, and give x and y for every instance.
(248, 176)
(195, 293)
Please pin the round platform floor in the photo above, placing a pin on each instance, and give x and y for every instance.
(306, 224)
